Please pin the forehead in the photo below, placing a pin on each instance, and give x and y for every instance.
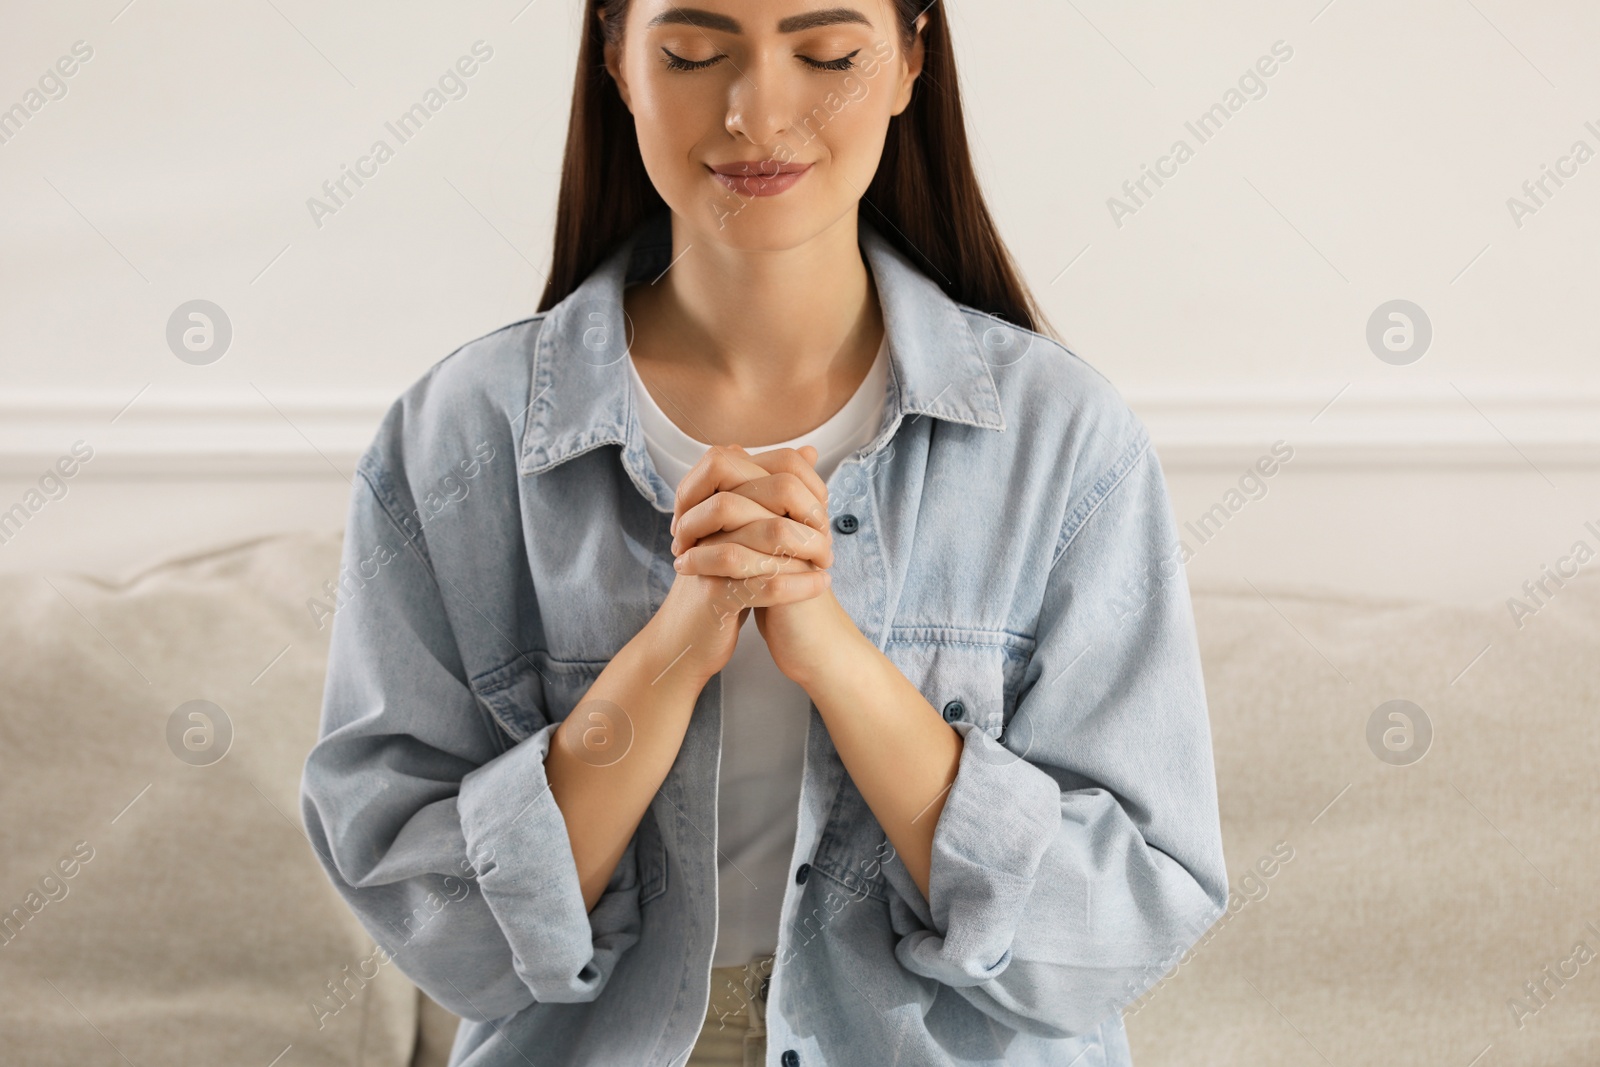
(755, 16)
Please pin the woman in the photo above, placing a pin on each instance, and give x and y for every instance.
(880, 739)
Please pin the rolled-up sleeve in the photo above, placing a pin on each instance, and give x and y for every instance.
(1079, 854)
(447, 845)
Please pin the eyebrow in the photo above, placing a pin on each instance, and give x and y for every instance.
(712, 20)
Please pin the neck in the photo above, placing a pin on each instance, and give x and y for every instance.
(765, 318)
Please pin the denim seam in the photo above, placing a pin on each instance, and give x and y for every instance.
(855, 883)
(506, 674)
(1098, 493)
(1008, 641)
(1051, 341)
(376, 475)
(656, 884)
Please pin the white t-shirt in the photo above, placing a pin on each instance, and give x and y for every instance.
(764, 713)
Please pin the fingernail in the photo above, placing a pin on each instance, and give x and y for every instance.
(677, 564)
(674, 524)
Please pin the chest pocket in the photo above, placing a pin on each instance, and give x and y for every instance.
(535, 690)
(968, 676)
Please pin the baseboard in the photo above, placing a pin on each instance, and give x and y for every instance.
(273, 433)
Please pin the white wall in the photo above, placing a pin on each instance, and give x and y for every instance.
(1231, 307)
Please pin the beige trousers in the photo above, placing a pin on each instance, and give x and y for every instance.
(735, 1030)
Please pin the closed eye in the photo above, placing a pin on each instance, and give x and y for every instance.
(842, 63)
(677, 62)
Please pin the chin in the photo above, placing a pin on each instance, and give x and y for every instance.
(766, 224)
(760, 226)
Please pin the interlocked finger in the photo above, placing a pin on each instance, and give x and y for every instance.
(782, 481)
(729, 559)
(733, 517)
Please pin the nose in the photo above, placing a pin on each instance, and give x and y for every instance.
(758, 105)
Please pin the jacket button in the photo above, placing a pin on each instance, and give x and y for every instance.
(801, 872)
(791, 1058)
(846, 523)
(953, 711)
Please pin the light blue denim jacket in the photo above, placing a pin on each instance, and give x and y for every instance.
(1006, 540)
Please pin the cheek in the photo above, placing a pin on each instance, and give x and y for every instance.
(671, 122)
(854, 133)
(663, 112)
(667, 103)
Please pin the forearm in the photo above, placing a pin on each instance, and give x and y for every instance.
(898, 749)
(604, 771)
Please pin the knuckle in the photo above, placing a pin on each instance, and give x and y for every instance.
(775, 534)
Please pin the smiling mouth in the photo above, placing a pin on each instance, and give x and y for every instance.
(765, 168)
(765, 178)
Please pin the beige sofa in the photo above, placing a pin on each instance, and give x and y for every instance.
(164, 905)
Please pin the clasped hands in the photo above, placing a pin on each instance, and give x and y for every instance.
(751, 520)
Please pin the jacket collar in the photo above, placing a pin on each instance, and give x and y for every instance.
(580, 397)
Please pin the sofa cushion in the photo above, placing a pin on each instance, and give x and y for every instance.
(161, 903)
(1387, 909)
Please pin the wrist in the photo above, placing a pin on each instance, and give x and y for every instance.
(837, 649)
(670, 653)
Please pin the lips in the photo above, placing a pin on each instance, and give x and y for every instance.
(753, 178)
(760, 168)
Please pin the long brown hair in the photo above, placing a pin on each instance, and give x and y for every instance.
(924, 199)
